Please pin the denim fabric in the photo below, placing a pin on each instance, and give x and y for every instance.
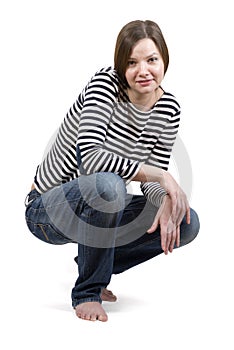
(108, 224)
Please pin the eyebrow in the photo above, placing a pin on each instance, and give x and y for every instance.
(152, 54)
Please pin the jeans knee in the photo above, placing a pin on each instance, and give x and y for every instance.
(110, 186)
(190, 231)
(103, 191)
(195, 223)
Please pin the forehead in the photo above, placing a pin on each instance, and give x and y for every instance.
(144, 47)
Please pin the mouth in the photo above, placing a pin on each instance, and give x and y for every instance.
(145, 82)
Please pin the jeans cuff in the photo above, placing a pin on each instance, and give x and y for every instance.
(86, 300)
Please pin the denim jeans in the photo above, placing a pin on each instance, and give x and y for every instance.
(108, 224)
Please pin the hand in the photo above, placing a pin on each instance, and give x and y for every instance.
(170, 233)
(180, 205)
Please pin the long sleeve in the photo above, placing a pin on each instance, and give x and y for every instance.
(94, 153)
(104, 132)
(161, 153)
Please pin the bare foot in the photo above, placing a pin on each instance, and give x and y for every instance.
(91, 311)
(107, 295)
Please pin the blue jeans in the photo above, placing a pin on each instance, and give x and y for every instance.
(108, 224)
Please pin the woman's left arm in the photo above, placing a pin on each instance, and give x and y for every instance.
(162, 150)
(167, 196)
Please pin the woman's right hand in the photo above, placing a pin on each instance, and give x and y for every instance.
(180, 205)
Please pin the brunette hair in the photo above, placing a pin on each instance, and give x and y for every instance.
(127, 38)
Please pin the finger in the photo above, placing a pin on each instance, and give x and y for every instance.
(169, 242)
(156, 220)
(184, 205)
(179, 211)
(173, 237)
(153, 227)
(178, 236)
(154, 224)
(182, 210)
(174, 208)
(163, 234)
(188, 218)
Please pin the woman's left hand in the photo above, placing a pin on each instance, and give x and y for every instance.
(170, 233)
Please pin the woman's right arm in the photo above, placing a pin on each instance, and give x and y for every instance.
(97, 109)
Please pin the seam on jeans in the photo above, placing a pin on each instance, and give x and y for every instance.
(43, 231)
(65, 201)
(45, 209)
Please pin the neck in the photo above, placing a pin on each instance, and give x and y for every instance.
(145, 102)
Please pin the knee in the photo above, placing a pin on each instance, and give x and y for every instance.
(190, 231)
(103, 191)
(110, 186)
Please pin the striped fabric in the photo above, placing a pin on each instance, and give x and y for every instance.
(103, 131)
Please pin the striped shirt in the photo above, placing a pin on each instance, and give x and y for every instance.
(104, 132)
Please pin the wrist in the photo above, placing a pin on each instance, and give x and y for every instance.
(149, 173)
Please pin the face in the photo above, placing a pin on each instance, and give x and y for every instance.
(145, 70)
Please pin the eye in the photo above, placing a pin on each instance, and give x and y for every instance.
(131, 63)
(153, 59)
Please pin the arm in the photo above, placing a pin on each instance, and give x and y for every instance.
(179, 202)
(93, 155)
(161, 153)
(98, 105)
(170, 234)
(156, 182)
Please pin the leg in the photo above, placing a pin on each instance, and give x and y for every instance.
(106, 295)
(102, 213)
(149, 245)
(86, 211)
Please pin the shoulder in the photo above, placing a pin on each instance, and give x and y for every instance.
(104, 80)
(107, 74)
(103, 85)
(168, 100)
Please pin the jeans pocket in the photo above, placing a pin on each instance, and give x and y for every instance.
(46, 233)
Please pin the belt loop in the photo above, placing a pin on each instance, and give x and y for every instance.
(26, 201)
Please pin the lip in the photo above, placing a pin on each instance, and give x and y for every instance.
(145, 82)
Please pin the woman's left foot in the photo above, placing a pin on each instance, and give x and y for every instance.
(107, 295)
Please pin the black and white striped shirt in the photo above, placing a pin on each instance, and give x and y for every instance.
(103, 131)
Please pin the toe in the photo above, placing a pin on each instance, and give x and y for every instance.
(102, 318)
(93, 317)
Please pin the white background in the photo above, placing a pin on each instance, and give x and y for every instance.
(49, 50)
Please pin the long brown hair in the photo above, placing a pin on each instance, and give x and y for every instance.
(127, 38)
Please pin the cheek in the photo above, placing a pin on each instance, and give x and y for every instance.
(128, 76)
(159, 72)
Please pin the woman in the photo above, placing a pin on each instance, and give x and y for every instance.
(121, 129)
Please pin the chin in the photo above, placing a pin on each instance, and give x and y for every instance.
(147, 90)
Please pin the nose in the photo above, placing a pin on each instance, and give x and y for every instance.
(143, 70)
